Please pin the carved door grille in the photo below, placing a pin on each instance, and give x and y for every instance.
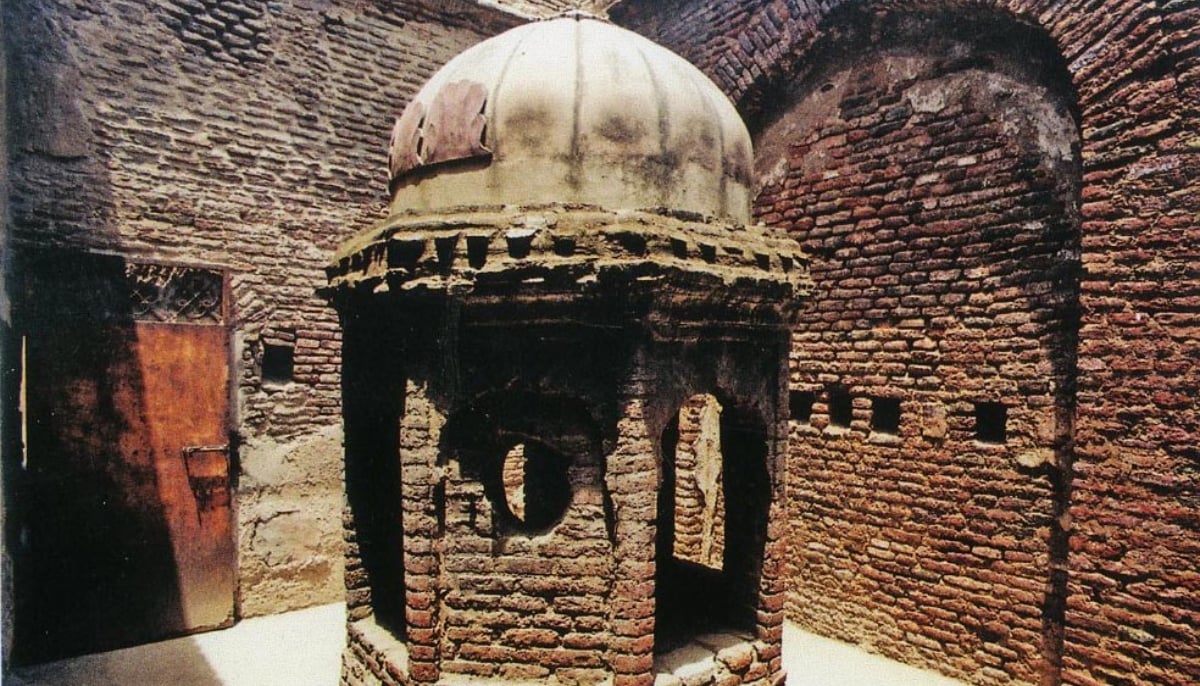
(175, 294)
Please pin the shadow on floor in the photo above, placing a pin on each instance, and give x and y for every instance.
(301, 648)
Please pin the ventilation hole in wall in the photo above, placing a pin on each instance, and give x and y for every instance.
(841, 407)
(991, 422)
(708, 253)
(278, 363)
(800, 405)
(376, 254)
(536, 486)
(439, 506)
(405, 253)
(446, 248)
(679, 248)
(885, 415)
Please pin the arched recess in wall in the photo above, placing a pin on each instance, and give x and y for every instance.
(373, 403)
(928, 162)
(713, 501)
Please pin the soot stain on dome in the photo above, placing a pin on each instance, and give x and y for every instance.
(699, 144)
(660, 170)
(531, 124)
(738, 163)
(619, 128)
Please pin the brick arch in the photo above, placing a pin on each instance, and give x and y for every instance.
(755, 99)
(844, 31)
(748, 46)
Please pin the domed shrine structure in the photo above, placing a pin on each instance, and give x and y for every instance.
(564, 378)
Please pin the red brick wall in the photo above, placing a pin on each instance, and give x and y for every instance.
(1132, 611)
(942, 225)
(249, 135)
(699, 493)
(525, 599)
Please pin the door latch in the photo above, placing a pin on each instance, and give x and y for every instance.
(208, 478)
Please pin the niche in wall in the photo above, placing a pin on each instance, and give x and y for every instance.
(712, 515)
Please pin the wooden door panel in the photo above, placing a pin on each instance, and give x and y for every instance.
(125, 540)
(185, 377)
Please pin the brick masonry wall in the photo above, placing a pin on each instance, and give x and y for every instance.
(1132, 612)
(9, 384)
(536, 8)
(568, 599)
(699, 486)
(527, 606)
(248, 135)
(942, 226)
(525, 599)
(245, 137)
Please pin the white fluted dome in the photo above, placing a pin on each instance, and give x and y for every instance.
(572, 110)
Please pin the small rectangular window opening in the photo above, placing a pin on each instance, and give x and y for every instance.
(885, 415)
(841, 407)
(800, 405)
(439, 505)
(278, 363)
(991, 422)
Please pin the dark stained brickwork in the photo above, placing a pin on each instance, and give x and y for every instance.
(1132, 606)
(582, 593)
(248, 135)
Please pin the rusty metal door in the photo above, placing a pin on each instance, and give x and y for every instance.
(127, 529)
